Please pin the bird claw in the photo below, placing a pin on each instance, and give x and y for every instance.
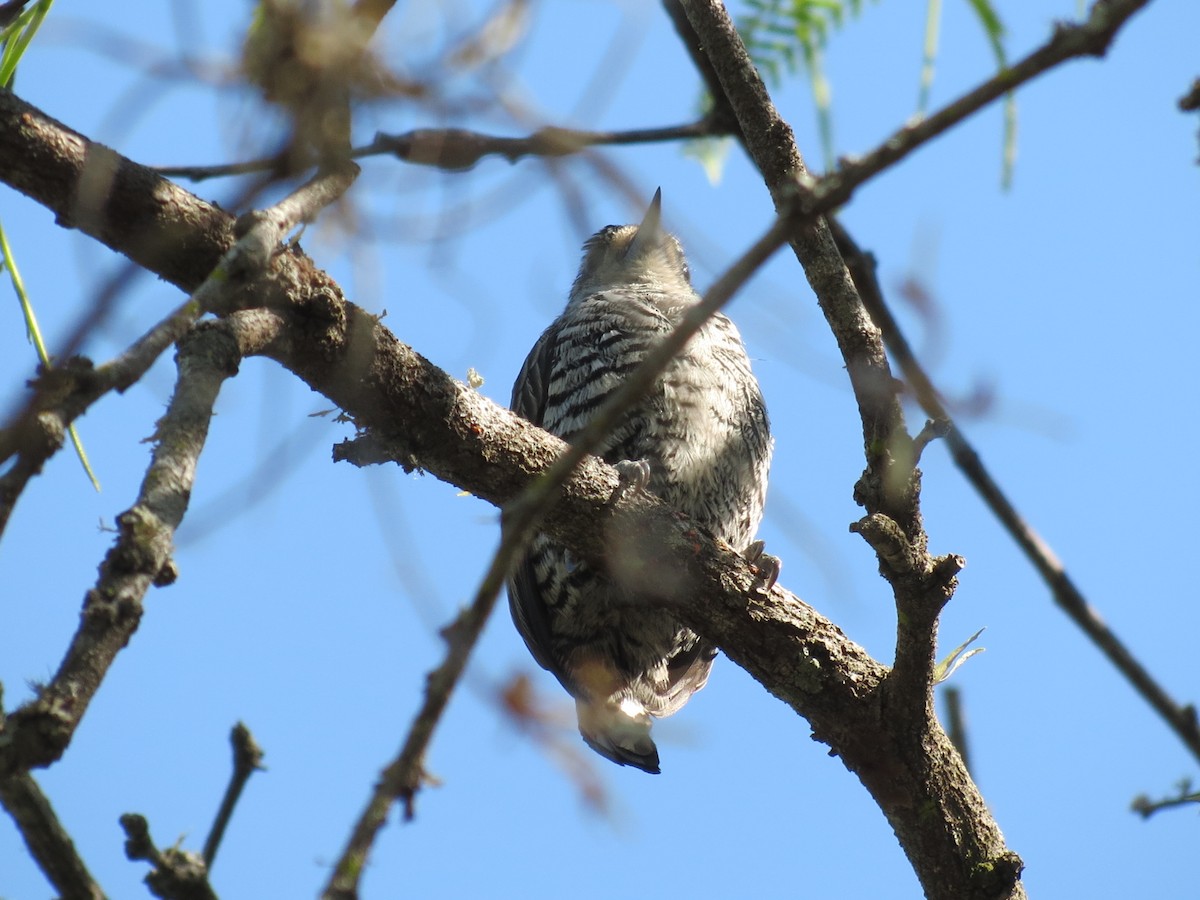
(631, 474)
(766, 567)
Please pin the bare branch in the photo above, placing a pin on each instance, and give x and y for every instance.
(38, 732)
(889, 490)
(1185, 795)
(247, 759)
(177, 874)
(1181, 718)
(406, 773)
(48, 842)
(457, 149)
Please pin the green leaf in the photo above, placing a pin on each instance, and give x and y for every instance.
(933, 21)
(993, 30)
(956, 658)
(16, 37)
(711, 153)
(35, 336)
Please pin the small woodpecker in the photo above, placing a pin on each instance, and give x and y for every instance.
(699, 439)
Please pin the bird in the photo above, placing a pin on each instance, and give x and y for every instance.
(699, 439)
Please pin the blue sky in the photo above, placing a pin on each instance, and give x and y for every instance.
(310, 593)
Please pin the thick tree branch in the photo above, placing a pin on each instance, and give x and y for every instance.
(127, 207)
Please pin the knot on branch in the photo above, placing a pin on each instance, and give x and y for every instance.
(143, 546)
(890, 543)
(945, 568)
(368, 449)
(58, 382)
(209, 343)
(176, 873)
(933, 430)
(998, 876)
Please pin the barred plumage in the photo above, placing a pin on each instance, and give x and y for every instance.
(703, 430)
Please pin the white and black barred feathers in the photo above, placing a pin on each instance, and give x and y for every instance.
(703, 430)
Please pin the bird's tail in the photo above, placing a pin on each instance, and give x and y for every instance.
(620, 732)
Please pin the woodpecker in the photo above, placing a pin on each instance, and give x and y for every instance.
(699, 439)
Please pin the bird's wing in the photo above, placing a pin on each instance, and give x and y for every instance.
(687, 672)
(524, 597)
(529, 390)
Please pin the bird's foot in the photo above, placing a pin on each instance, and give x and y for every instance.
(631, 474)
(766, 567)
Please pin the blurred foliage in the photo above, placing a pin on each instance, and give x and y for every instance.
(784, 37)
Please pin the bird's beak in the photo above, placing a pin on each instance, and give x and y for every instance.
(649, 233)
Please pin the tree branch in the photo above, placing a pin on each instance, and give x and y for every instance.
(458, 149)
(48, 842)
(64, 393)
(949, 862)
(1069, 41)
(247, 759)
(432, 421)
(177, 874)
(1179, 717)
(38, 732)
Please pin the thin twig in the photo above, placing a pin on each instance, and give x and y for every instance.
(404, 776)
(1186, 795)
(1069, 41)
(177, 874)
(72, 388)
(247, 759)
(458, 149)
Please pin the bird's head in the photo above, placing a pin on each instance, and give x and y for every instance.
(641, 255)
